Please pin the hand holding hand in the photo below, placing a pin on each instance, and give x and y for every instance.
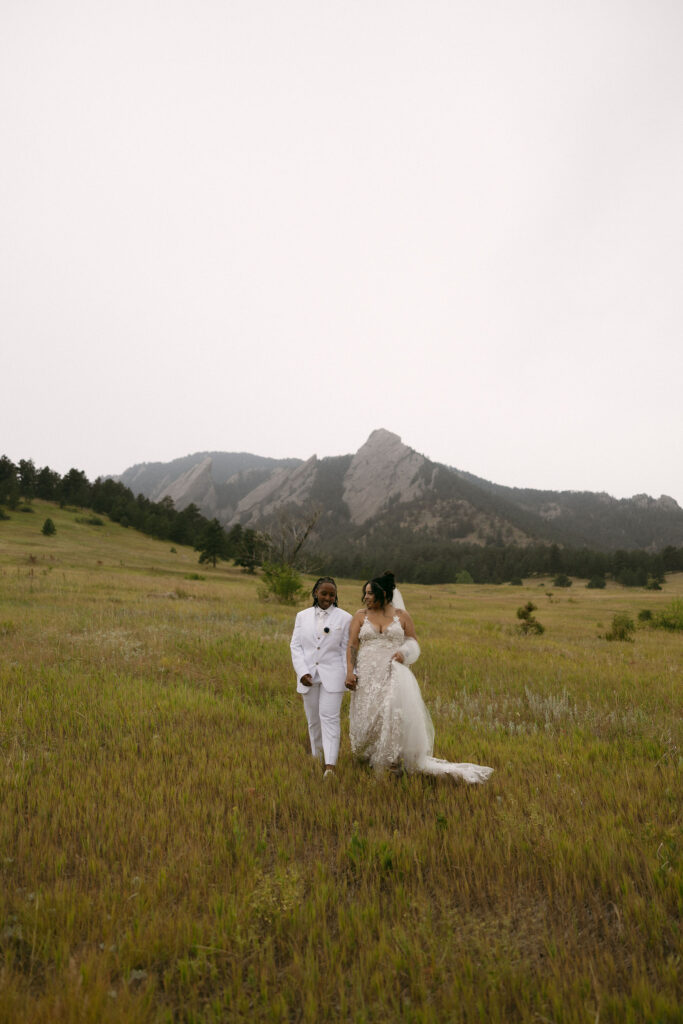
(351, 681)
(398, 657)
(307, 680)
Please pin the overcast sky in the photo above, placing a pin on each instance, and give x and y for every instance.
(274, 226)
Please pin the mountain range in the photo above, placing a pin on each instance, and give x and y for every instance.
(387, 485)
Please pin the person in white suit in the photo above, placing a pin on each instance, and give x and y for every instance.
(318, 645)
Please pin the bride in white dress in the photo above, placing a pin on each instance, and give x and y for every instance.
(389, 723)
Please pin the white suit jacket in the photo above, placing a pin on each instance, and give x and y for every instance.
(325, 654)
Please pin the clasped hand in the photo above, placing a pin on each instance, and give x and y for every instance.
(352, 679)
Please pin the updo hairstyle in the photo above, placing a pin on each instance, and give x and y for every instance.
(382, 588)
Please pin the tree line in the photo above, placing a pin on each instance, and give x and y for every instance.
(414, 557)
(420, 558)
(160, 519)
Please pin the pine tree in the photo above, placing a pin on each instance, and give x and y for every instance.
(212, 544)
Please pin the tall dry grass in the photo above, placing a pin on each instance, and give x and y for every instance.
(168, 852)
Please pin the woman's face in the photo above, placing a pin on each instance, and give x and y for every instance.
(326, 595)
(370, 600)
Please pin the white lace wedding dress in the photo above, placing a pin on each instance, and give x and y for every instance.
(389, 723)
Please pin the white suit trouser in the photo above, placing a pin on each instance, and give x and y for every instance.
(322, 714)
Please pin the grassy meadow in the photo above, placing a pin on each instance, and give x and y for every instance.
(170, 853)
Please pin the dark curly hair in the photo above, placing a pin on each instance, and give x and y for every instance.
(382, 588)
(324, 579)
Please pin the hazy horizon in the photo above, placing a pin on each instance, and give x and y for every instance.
(248, 226)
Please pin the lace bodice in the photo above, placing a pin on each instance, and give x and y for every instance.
(375, 652)
(390, 638)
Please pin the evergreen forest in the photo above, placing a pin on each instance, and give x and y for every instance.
(414, 556)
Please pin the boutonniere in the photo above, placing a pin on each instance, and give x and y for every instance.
(326, 629)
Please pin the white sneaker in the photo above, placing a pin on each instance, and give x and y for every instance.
(328, 773)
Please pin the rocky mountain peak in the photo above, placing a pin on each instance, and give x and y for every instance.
(381, 438)
(196, 486)
(663, 502)
(284, 486)
(386, 476)
(382, 470)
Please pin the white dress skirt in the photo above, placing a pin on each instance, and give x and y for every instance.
(389, 723)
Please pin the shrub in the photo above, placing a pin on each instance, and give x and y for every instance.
(281, 583)
(653, 584)
(49, 527)
(562, 580)
(528, 623)
(90, 520)
(516, 582)
(596, 583)
(670, 617)
(463, 576)
(645, 615)
(623, 628)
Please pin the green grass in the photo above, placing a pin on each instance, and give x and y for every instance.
(168, 853)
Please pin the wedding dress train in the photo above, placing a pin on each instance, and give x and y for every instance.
(389, 723)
